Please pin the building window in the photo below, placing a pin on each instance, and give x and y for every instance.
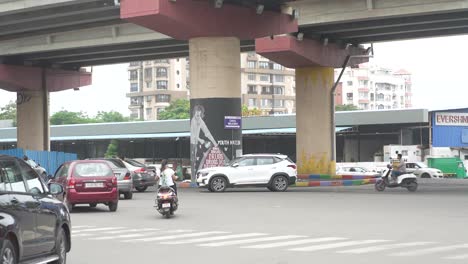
(148, 73)
(363, 83)
(264, 78)
(266, 90)
(252, 89)
(350, 83)
(276, 66)
(135, 101)
(178, 86)
(134, 87)
(133, 75)
(135, 63)
(252, 102)
(380, 97)
(252, 77)
(159, 111)
(163, 98)
(161, 85)
(279, 103)
(178, 72)
(251, 64)
(162, 61)
(381, 107)
(149, 112)
(279, 90)
(134, 114)
(279, 78)
(161, 72)
(149, 98)
(263, 65)
(363, 95)
(349, 96)
(267, 102)
(372, 97)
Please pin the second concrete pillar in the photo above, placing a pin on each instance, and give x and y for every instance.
(215, 93)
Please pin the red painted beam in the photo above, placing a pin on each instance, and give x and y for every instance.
(292, 53)
(186, 19)
(18, 78)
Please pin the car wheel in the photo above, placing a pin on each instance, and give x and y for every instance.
(412, 186)
(113, 206)
(218, 184)
(425, 175)
(279, 183)
(129, 195)
(92, 205)
(8, 253)
(141, 189)
(61, 248)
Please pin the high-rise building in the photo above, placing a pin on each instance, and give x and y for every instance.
(372, 87)
(265, 85)
(155, 84)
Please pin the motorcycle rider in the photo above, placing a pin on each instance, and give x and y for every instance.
(168, 176)
(399, 167)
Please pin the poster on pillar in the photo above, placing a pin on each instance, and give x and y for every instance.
(211, 144)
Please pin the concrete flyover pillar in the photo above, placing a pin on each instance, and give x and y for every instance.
(33, 129)
(314, 63)
(214, 33)
(313, 118)
(33, 120)
(215, 94)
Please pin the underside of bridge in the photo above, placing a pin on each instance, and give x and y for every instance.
(55, 40)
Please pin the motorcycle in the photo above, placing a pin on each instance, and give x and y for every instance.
(407, 180)
(166, 201)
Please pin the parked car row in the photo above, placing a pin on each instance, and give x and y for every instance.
(417, 168)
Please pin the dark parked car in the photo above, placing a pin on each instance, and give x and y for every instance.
(34, 225)
(141, 175)
(88, 182)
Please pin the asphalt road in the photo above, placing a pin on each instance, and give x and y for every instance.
(328, 225)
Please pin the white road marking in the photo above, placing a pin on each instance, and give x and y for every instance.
(176, 236)
(247, 241)
(296, 242)
(383, 247)
(217, 238)
(337, 245)
(430, 250)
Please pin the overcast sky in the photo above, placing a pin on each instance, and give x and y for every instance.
(438, 66)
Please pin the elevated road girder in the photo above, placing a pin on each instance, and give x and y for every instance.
(76, 33)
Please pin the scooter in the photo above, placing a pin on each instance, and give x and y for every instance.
(166, 201)
(407, 180)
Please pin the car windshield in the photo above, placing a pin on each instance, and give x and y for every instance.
(135, 163)
(234, 161)
(421, 165)
(92, 170)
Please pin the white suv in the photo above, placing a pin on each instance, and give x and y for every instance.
(274, 171)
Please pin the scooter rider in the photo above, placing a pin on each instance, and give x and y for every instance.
(399, 167)
(168, 176)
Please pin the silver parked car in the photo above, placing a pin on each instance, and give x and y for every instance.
(124, 176)
(141, 175)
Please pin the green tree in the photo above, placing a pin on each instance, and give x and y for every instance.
(111, 116)
(250, 112)
(65, 117)
(8, 112)
(349, 107)
(179, 109)
(112, 149)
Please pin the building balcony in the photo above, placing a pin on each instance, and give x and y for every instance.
(363, 101)
(363, 89)
(252, 92)
(408, 93)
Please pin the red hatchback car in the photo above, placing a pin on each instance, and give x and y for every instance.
(88, 182)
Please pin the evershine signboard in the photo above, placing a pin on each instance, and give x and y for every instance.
(451, 119)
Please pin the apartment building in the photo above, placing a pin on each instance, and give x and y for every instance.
(372, 87)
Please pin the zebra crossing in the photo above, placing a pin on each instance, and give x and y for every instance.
(298, 244)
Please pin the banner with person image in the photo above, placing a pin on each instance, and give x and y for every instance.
(211, 144)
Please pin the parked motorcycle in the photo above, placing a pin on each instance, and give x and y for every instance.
(407, 180)
(166, 201)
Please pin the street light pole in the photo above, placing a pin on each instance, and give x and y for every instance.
(271, 66)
